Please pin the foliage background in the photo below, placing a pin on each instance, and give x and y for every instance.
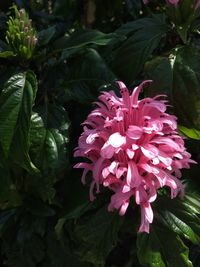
(83, 47)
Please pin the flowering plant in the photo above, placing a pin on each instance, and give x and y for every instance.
(21, 36)
(67, 119)
(134, 149)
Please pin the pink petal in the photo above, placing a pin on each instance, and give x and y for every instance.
(134, 132)
(148, 212)
(97, 169)
(105, 172)
(135, 147)
(166, 160)
(111, 179)
(113, 167)
(155, 161)
(120, 171)
(107, 151)
(149, 151)
(124, 208)
(118, 200)
(126, 188)
(92, 197)
(133, 178)
(136, 91)
(91, 138)
(158, 105)
(140, 195)
(116, 140)
(146, 217)
(125, 93)
(153, 194)
(130, 153)
(149, 168)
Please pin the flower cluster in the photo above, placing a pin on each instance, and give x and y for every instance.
(21, 36)
(132, 147)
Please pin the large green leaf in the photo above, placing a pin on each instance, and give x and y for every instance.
(46, 35)
(144, 36)
(186, 86)
(179, 218)
(174, 219)
(48, 150)
(162, 248)
(29, 254)
(85, 81)
(4, 179)
(38, 208)
(159, 71)
(97, 235)
(59, 255)
(48, 137)
(21, 237)
(79, 40)
(178, 76)
(16, 101)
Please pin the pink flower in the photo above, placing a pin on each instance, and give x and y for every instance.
(173, 2)
(197, 4)
(133, 148)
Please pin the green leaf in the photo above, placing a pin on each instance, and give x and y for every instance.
(98, 235)
(85, 82)
(48, 137)
(59, 255)
(174, 218)
(46, 35)
(178, 77)
(149, 251)
(180, 216)
(4, 47)
(183, 32)
(186, 83)
(190, 132)
(79, 211)
(9, 196)
(81, 39)
(16, 101)
(29, 254)
(38, 208)
(6, 54)
(182, 16)
(178, 226)
(162, 248)
(134, 7)
(144, 35)
(75, 214)
(5, 217)
(4, 179)
(159, 71)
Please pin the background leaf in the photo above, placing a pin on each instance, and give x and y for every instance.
(155, 249)
(98, 234)
(48, 136)
(186, 80)
(143, 36)
(16, 101)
